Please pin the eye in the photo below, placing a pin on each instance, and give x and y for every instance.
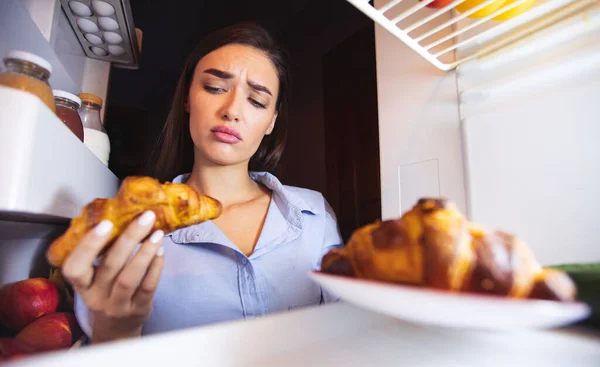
(256, 103)
(214, 90)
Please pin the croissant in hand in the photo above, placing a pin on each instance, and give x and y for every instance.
(175, 206)
(434, 245)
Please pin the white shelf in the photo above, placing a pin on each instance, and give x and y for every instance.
(336, 335)
(447, 38)
(45, 171)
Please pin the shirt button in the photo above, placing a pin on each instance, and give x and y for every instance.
(244, 261)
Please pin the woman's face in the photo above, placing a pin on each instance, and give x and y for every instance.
(232, 104)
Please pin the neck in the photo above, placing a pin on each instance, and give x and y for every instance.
(228, 184)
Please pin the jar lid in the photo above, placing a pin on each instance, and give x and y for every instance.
(66, 95)
(27, 56)
(88, 97)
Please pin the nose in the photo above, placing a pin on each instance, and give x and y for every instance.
(231, 110)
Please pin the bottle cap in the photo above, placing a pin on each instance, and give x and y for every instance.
(88, 97)
(28, 56)
(66, 95)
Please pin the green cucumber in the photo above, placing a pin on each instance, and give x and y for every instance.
(587, 279)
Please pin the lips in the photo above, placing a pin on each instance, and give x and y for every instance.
(227, 135)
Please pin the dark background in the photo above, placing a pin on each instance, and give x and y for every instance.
(332, 49)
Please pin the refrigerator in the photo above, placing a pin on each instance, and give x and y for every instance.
(508, 134)
(47, 176)
(502, 117)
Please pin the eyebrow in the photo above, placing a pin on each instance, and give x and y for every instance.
(225, 75)
(219, 73)
(259, 88)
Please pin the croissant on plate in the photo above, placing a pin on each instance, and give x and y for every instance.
(175, 206)
(434, 245)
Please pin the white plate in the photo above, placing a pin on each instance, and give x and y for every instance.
(449, 309)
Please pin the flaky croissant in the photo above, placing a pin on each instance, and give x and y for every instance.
(175, 206)
(434, 245)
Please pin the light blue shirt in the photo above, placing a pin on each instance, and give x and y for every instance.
(206, 279)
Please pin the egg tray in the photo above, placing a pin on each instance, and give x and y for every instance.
(129, 59)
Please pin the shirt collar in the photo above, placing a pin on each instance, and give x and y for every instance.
(288, 199)
(292, 198)
(288, 194)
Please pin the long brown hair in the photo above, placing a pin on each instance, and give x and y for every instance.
(174, 151)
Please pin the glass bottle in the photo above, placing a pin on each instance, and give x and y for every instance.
(67, 106)
(95, 137)
(28, 72)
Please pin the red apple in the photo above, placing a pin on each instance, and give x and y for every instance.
(12, 348)
(6, 332)
(56, 330)
(438, 3)
(24, 301)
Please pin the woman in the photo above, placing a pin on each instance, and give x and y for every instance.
(226, 128)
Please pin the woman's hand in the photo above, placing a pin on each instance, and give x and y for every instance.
(119, 291)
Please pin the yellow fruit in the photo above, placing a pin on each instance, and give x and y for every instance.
(487, 10)
(514, 11)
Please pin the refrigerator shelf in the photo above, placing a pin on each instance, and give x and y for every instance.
(447, 38)
(47, 173)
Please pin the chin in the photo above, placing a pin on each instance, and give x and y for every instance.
(223, 157)
(221, 153)
(225, 162)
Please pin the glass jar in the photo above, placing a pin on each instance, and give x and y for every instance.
(28, 72)
(67, 106)
(94, 134)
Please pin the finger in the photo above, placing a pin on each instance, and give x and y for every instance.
(78, 266)
(132, 274)
(120, 251)
(145, 292)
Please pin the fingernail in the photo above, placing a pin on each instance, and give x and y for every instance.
(161, 251)
(103, 228)
(157, 236)
(147, 218)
